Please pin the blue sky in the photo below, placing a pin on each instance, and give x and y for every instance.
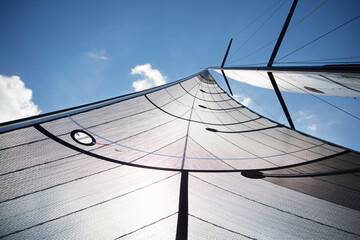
(75, 52)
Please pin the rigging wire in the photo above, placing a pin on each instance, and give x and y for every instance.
(257, 30)
(259, 49)
(329, 59)
(252, 53)
(256, 19)
(319, 37)
(212, 63)
(350, 114)
(307, 15)
(247, 26)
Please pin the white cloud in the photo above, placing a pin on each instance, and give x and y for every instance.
(332, 122)
(100, 55)
(312, 128)
(15, 99)
(151, 77)
(308, 120)
(304, 116)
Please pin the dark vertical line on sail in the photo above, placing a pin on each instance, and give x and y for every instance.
(222, 65)
(187, 131)
(182, 223)
(272, 58)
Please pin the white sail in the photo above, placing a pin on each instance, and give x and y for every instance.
(116, 169)
(321, 83)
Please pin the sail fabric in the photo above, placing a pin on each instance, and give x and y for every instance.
(326, 84)
(113, 170)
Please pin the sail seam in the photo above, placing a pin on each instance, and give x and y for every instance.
(221, 227)
(187, 131)
(91, 206)
(219, 159)
(216, 109)
(148, 225)
(241, 112)
(164, 154)
(202, 98)
(105, 170)
(215, 124)
(266, 205)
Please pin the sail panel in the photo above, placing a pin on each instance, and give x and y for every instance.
(158, 126)
(325, 84)
(113, 170)
(106, 204)
(201, 229)
(259, 209)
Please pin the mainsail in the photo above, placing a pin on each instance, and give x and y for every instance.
(182, 160)
(338, 81)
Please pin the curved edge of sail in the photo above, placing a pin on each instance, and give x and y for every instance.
(29, 121)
